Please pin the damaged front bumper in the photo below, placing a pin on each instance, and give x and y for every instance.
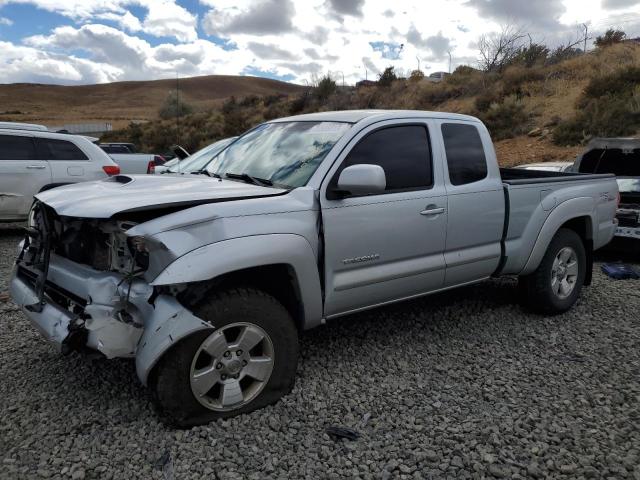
(79, 306)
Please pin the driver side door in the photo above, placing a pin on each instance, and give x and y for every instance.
(386, 246)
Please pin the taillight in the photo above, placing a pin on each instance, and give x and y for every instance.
(159, 160)
(151, 167)
(111, 169)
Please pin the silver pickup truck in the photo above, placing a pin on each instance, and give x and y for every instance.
(206, 280)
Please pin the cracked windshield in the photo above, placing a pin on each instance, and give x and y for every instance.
(285, 153)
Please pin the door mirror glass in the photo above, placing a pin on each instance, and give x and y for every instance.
(362, 179)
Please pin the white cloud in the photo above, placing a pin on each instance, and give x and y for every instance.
(6, 21)
(300, 38)
(163, 18)
(263, 17)
(27, 64)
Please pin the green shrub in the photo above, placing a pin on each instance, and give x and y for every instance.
(609, 106)
(607, 116)
(464, 70)
(386, 78)
(229, 105)
(326, 87)
(534, 54)
(621, 82)
(416, 75)
(515, 77)
(507, 119)
(439, 93)
(300, 103)
(174, 106)
(562, 53)
(486, 99)
(610, 37)
(235, 123)
(249, 101)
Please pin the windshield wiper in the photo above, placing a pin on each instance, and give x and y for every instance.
(250, 179)
(206, 172)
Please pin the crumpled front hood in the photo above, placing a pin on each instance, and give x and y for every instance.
(135, 193)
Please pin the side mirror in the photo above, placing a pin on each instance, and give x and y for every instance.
(362, 179)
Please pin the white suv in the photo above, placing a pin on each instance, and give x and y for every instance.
(33, 159)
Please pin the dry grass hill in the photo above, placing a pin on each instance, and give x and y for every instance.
(122, 102)
(538, 107)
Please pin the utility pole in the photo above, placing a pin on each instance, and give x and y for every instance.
(586, 32)
(449, 52)
(177, 110)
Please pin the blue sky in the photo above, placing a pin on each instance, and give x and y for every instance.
(93, 41)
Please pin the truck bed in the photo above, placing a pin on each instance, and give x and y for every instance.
(521, 176)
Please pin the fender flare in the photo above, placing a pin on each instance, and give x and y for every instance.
(564, 212)
(211, 261)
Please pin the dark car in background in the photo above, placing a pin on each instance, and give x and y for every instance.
(620, 156)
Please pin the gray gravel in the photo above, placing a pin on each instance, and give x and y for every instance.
(463, 384)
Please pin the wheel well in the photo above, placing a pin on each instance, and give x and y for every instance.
(582, 226)
(278, 280)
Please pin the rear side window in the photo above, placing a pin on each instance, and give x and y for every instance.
(16, 148)
(54, 149)
(465, 153)
(402, 152)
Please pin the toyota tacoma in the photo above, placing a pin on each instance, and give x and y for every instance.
(206, 280)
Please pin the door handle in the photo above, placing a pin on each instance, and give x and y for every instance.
(432, 210)
(36, 167)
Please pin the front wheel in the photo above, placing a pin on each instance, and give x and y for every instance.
(248, 362)
(556, 284)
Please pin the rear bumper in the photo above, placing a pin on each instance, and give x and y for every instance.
(111, 317)
(628, 232)
(605, 234)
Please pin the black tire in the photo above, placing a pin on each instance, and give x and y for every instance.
(536, 288)
(170, 379)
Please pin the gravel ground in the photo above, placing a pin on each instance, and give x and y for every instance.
(463, 384)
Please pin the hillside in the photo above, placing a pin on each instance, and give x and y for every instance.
(122, 102)
(539, 110)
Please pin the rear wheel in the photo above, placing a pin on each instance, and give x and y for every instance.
(556, 284)
(248, 362)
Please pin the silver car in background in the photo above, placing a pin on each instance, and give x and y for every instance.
(197, 161)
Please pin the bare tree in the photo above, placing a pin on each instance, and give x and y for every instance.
(498, 49)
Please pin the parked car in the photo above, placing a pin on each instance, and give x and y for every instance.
(199, 160)
(548, 166)
(118, 147)
(207, 282)
(33, 160)
(132, 163)
(620, 156)
(177, 154)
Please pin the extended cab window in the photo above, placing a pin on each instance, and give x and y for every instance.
(53, 149)
(465, 153)
(16, 148)
(402, 152)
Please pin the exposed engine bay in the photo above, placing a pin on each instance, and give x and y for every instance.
(101, 244)
(87, 273)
